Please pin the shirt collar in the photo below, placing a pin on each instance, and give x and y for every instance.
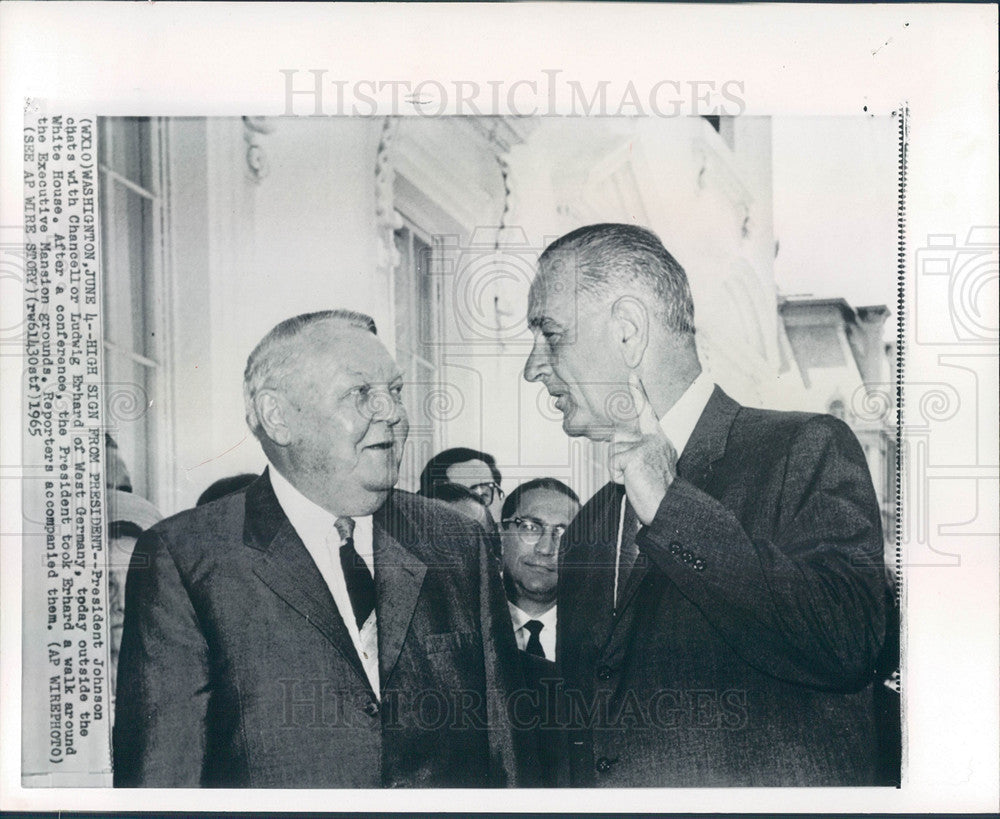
(680, 420)
(519, 617)
(311, 521)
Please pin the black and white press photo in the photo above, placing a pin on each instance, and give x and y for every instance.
(477, 451)
(512, 407)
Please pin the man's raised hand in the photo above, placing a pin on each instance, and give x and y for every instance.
(641, 456)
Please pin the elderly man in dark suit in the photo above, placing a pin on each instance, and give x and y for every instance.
(721, 601)
(320, 628)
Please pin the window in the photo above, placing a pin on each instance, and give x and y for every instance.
(417, 300)
(131, 214)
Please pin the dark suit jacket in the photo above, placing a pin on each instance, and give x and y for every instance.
(539, 712)
(744, 647)
(236, 669)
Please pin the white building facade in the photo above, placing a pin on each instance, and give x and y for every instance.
(216, 229)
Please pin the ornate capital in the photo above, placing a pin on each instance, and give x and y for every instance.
(387, 221)
(254, 131)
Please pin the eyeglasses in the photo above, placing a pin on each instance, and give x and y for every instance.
(487, 492)
(530, 530)
(372, 403)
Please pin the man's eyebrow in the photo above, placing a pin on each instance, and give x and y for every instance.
(543, 320)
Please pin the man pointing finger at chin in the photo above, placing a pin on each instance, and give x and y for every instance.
(642, 458)
(723, 594)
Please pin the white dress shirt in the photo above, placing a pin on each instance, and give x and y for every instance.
(315, 526)
(679, 421)
(547, 636)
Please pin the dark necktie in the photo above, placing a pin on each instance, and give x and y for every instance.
(360, 585)
(630, 549)
(534, 645)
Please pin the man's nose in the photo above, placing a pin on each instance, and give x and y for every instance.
(384, 406)
(538, 362)
(547, 544)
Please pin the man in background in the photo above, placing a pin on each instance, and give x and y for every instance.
(320, 629)
(535, 517)
(474, 469)
(721, 600)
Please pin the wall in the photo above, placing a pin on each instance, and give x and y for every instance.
(247, 254)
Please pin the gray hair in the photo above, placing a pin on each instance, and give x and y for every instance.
(275, 355)
(605, 257)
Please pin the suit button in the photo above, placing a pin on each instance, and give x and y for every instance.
(687, 556)
(675, 548)
(698, 565)
(604, 764)
(604, 672)
(371, 708)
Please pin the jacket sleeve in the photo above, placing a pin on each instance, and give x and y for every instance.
(512, 740)
(160, 734)
(807, 603)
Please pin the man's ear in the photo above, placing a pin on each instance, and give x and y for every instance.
(271, 407)
(630, 324)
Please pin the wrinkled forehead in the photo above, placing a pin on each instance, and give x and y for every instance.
(548, 506)
(334, 349)
(470, 473)
(554, 290)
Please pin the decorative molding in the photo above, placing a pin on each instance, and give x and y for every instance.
(502, 133)
(452, 170)
(254, 131)
(387, 220)
(716, 170)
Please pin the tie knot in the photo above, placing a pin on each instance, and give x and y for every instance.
(534, 627)
(345, 528)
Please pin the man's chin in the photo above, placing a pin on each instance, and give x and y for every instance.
(382, 483)
(381, 479)
(578, 430)
(570, 427)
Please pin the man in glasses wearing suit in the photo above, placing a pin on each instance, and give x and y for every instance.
(472, 469)
(535, 518)
(320, 628)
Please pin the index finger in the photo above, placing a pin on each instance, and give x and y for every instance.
(649, 421)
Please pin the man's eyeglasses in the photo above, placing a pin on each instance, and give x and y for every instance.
(530, 530)
(487, 492)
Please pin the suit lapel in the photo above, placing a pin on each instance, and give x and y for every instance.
(399, 575)
(706, 446)
(283, 563)
(708, 440)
